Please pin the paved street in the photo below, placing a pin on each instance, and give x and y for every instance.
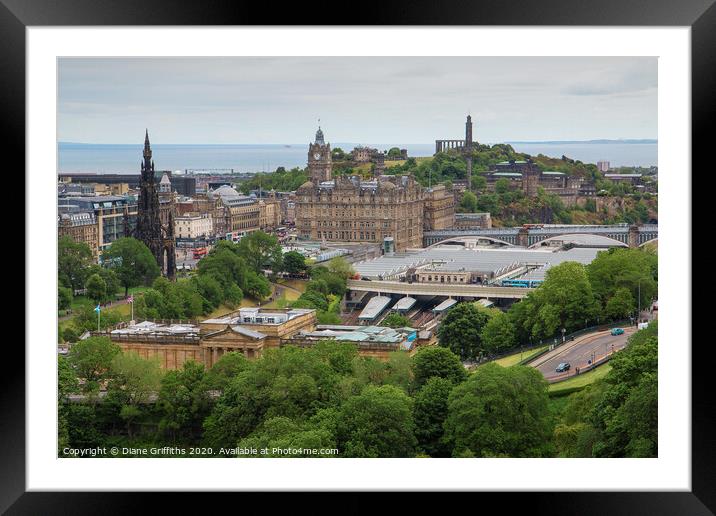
(593, 346)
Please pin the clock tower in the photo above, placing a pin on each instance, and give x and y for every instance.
(319, 159)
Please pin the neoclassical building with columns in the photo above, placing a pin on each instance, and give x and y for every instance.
(249, 331)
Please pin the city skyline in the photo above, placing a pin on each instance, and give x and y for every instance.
(357, 99)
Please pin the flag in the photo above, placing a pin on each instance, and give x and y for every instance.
(97, 308)
(130, 299)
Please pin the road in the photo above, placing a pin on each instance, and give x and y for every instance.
(578, 353)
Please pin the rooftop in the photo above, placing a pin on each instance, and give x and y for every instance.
(256, 315)
(403, 337)
(454, 258)
(158, 329)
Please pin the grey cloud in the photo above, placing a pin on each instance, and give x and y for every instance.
(407, 99)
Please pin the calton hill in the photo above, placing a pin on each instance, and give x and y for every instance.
(327, 396)
(616, 202)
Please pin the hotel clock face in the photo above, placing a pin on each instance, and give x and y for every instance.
(316, 155)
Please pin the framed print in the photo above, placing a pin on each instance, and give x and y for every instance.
(424, 245)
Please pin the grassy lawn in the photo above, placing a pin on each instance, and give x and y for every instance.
(297, 284)
(515, 358)
(223, 309)
(581, 380)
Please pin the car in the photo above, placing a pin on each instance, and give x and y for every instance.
(561, 368)
(617, 331)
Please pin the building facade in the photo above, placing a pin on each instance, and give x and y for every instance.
(439, 208)
(249, 331)
(116, 216)
(269, 213)
(193, 225)
(350, 209)
(81, 228)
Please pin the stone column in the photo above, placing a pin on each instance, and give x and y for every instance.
(633, 238)
(523, 237)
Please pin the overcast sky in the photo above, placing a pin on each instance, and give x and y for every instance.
(358, 99)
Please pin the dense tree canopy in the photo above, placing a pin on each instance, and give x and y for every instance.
(91, 359)
(377, 423)
(500, 412)
(619, 268)
(132, 261)
(429, 412)
(260, 251)
(73, 261)
(433, 361)
(294, 263)
(461, 329)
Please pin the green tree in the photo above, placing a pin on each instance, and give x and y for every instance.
(85, 319)
(64, 298)
(67, 384)
(502, 186)
(91, 359)
(395, 320)
(429, 412)
(621, 304)
(290, 382)
(132, 261)
(564, 300)
(96, 288)
(257, 286)
(284, 437)
(224, 370)
(468, 203)
(461, 330)
(377, 423)
(394, 152)
(210, 290)
(73, 259)
(328, 318)
(133, 381)
(499, 333)
(261, 251)
(627, 415)
(183, 400)
(340, 267)
(294, 263)
(500, 412)
(431, 362)
(633, 269)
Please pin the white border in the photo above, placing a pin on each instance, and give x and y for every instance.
(671, 471)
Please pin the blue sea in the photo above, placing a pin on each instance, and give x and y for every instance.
(116, 158)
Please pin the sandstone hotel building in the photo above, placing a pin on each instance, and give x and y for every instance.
(352, 209)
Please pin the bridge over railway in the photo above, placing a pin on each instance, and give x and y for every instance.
(533, 235)
(444, 289)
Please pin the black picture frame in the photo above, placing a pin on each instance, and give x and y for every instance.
(700, 15)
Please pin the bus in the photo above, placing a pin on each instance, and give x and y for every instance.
(199, 253)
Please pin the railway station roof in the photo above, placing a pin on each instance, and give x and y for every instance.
(483, 260)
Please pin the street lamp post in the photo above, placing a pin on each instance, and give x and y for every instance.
(564, 330)
(638, 314)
